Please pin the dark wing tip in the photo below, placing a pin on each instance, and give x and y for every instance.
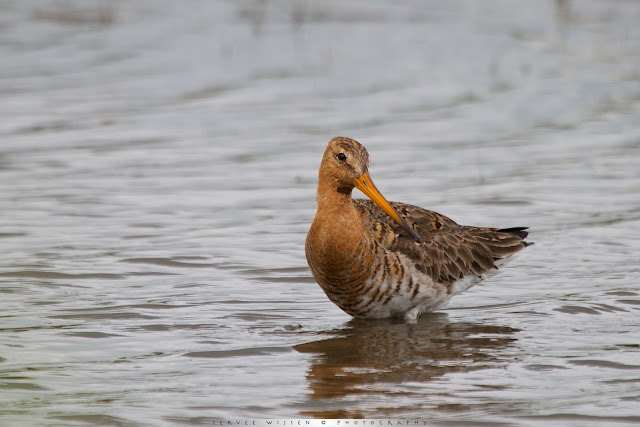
(518, 231)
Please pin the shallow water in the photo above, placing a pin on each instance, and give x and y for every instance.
(158, 165)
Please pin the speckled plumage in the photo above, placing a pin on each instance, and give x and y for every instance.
(373, 266)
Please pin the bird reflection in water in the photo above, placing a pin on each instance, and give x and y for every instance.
(368, 357)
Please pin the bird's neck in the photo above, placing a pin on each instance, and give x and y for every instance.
(337, 213)
(333, 197)
(338, 239)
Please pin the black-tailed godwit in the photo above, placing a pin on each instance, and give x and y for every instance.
(379, 259)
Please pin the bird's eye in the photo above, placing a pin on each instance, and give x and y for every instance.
(342, 157)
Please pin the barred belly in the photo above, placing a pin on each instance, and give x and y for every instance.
(395, 288)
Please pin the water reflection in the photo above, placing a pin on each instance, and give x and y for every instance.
(369, 357)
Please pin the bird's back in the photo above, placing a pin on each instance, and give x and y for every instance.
(449, 252)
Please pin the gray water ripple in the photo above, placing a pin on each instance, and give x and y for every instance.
(158, 164)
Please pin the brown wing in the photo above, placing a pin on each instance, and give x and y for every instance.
(449, 251)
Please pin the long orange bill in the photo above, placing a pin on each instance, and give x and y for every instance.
(364, 184)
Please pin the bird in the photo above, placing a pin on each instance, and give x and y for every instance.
(377, 259)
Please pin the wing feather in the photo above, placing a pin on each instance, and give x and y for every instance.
(449, 251)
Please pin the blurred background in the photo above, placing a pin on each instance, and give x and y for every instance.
(158, 164)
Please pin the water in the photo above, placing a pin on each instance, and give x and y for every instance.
(158, 164)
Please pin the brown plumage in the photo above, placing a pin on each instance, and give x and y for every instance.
(376, 259)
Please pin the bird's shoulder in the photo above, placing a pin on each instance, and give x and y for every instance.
(428, 224)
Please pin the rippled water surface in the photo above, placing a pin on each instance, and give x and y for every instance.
(158, 163)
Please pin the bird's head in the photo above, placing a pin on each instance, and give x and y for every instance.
(345, 165)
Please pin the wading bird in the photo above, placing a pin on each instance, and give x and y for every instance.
(378, 259)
